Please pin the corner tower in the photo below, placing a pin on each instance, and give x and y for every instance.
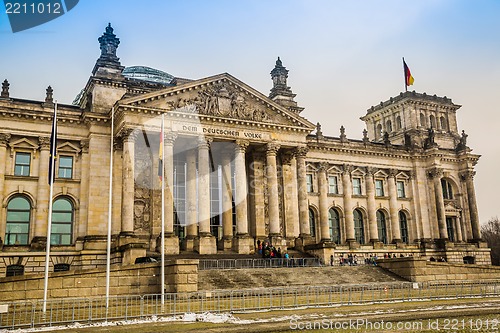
(281, 93)
(414, 119)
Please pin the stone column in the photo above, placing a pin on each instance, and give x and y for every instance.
(128, 184)
(393, 207)
(348, 214)
(242, 243)
(458, 228)
(171, 240)
(206, 243)
(323, 203)
(305, 232)
(191, 194)
(4, 140)
(257, 189)
(468, 177)
(436, 175)
(272, 191)
(290, 197)
(371, 205)
(84, 196)
(42, 197)
(227, 206)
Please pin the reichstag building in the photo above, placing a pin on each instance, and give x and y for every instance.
(239, 167)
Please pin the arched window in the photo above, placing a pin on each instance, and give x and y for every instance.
(422, 120)
(378, 132)
(359, 230)
(399, 124)
(312, 222)
(334, 222)
(447, 189)
(382, 230)
(433, 121)
(444, 125)
(388, 126)
(403, 227)
(62, 222)
(18, 221)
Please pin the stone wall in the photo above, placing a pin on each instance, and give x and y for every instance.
(421, 270)
(181, 275)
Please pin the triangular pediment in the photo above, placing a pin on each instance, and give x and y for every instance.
(220, 96)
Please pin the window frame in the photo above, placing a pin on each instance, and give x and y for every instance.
(447, 189)
(401, 191)
(359, 230)
(56, 223)
(28, 222)
(59, 168)
(356, 186)
(381, 226)
(22, 166)
(404, 232)
(334, 186)
(379, 190)
(335, 234)
(312, 222)
(309, 183)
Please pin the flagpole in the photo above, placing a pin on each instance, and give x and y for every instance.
(110, 206)
(53, 150)
(404, 73)
(162, 213)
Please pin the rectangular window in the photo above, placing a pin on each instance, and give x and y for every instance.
(379, 187)
(22, 165)
(401, 189)
(332, 185)
(356, 186)
(65, 167)
(309, 179)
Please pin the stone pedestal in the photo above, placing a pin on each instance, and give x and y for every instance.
(353, 245)
(205, 244)
(225, 244)
(243, 244)
(302, 241)
(188, 243)
(39, 243)
(171, 244)
(278, 242)
(377, 244)
(132, 252)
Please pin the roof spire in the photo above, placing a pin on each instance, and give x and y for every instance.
(281, 93)
(108, 63)
(5, 89)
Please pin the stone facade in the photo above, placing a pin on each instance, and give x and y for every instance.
(238, 167)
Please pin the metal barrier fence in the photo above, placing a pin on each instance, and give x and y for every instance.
(26, 314)
(206, 264)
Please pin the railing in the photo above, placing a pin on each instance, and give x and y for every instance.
(206, 264)
(26, 314)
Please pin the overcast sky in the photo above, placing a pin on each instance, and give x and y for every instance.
(343, 56)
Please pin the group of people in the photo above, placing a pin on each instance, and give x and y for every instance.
(268, 251)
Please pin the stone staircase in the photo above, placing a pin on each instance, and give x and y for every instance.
(280, 277)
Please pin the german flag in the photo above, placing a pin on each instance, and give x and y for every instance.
(408, 78)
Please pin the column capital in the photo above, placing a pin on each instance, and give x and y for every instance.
(4, 139)
(435, 173)
(287, 157)
(393, 173)
(204, 142)
(241, 146)
(272, 148)
(412, 174)
(128, 134)
(44, 142)
(371, 171)
(323, 166)
(84, 145)
(347, 168)
(301, 152)
(467, 175)
(117, 145)
(170, 138)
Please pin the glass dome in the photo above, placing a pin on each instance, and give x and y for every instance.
(147, 74)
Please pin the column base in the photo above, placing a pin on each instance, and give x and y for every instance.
(205, 244)
(243, 244)
(353, 245)
(126, 238)
(188, 243)
(171, 244)
(225, 244)
(303, 241)
(39, 243)
(377, 244)
(278, 241)
(131, 252)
